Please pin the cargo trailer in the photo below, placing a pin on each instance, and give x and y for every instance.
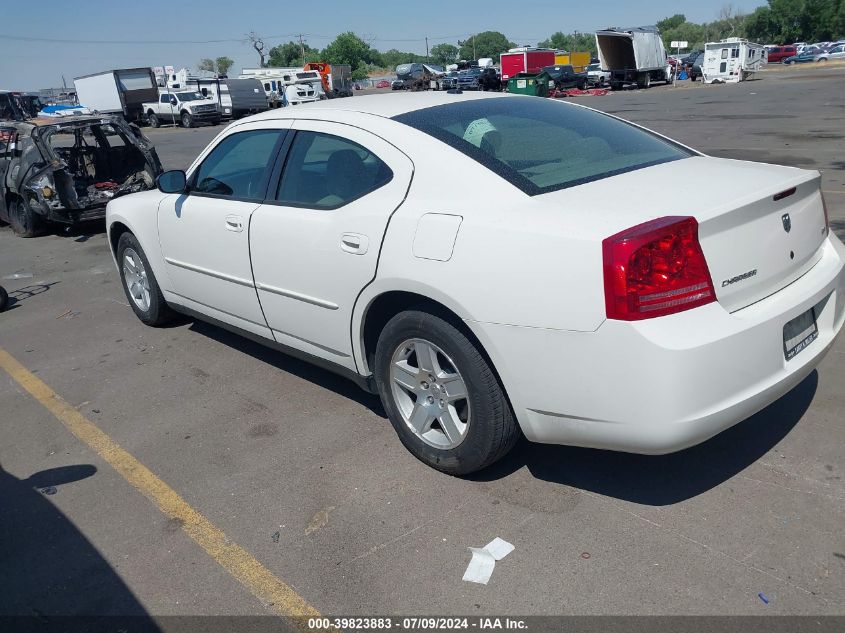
(525, 60)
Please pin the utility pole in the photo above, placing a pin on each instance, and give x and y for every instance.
(302, 48)
(426, 49)
(474, 56)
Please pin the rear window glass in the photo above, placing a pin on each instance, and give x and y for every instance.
(540, 145)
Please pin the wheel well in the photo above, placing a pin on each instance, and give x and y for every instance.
(115, 231)
(389, 304)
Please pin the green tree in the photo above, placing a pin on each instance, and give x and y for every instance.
(392, 58)
(362, 71)
(206, 64)
(671, 23)
(684, 32)
(574, 42)
(444, 54)
(289, 55)
(348, 48)
(486, 44)
(223, 65)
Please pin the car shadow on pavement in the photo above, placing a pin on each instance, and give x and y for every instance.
(319, 376)
(49, 570)
(660, 480)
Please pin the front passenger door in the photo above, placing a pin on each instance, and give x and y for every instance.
(204, 233)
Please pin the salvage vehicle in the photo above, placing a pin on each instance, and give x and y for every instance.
(801, 58)
(336, 78)
(562, 77)
(187, 108)
(66, 170)
(419, 76)
(836, 52)
(776, 54)
(532, 302)
(489, 79)
(596, 76)
(633, 56)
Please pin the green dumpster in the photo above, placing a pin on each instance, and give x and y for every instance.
(530, 84)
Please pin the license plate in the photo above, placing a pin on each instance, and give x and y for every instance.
(799, 333)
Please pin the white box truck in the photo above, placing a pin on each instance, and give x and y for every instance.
(121, 91)
(633, 56)
(732, 60)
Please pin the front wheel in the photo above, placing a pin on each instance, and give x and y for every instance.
(139, 283)
(24, 221)
(187, 120)
(441, 395)
(152, 119)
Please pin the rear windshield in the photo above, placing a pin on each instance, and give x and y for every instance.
(539, 145)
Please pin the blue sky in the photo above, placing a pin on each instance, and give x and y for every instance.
(29, 65)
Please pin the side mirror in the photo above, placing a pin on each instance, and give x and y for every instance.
(173, 101)
(173, 181)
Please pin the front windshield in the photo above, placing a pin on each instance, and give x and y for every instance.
(189, 96)
(593, 67)
(540, 145)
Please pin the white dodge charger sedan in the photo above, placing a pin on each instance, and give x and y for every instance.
(497, 265)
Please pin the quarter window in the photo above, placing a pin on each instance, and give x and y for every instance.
(237, 166)
(323, 171)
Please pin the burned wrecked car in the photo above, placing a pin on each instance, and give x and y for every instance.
(66, 169)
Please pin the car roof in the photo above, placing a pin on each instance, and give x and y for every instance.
(387, 106)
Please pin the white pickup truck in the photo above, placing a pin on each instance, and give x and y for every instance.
(186, 108)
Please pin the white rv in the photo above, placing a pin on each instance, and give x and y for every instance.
(287, 85)
(732, 60)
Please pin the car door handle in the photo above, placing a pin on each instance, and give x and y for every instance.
(234, 223)
(354, 243)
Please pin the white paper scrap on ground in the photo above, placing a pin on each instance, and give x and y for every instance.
(484, 559)
(480, 566)
(499, 548)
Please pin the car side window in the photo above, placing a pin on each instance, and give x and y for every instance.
(236, 167)
(164, 99)
(324, 171)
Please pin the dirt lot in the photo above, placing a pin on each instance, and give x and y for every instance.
(303, 472)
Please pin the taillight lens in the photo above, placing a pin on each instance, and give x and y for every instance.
(654, 269)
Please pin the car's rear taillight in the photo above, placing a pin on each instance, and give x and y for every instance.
(654, 269)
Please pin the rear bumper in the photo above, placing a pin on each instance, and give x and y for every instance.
(661, 385)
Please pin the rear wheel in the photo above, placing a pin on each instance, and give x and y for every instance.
(441, 394)
(152, 119)
(139, 283)
(24, 221)
(187, 120)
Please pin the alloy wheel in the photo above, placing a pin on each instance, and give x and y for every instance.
(135, 278)
(430, 393)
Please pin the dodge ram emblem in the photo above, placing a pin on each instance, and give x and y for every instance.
(787, 222)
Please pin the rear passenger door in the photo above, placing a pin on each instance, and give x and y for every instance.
(316, 245)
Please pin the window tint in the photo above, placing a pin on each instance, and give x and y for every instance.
(325, 172)
(236, 167)
(539, 145)
(164, 99)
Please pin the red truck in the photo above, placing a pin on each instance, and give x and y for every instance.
(525, 60)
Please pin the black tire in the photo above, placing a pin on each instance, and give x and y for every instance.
(152, 119)
(492, 430)
(582, 85)
(187, 120)
(23, 220)
(4, 298)
(158, 313)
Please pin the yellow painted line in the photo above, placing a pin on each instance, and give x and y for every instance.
(231, 556)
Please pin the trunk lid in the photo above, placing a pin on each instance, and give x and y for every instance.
(742, 227)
